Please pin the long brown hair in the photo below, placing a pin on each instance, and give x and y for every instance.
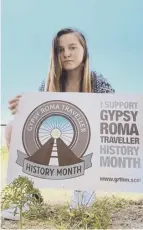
(56, 77)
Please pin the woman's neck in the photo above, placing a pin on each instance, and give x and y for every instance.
(73, 80)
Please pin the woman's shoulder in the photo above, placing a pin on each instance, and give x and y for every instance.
(100, 84)
(42, 86)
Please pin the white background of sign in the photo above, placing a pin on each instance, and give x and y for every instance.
(90, 104)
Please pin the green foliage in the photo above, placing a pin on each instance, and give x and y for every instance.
(20, 192)
(4, 154)
(3, 149)
(61, 217)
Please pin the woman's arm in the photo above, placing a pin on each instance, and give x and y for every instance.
(9, 126)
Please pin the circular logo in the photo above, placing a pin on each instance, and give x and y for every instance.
(56, 122)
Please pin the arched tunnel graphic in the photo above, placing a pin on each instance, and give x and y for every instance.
(56, 134)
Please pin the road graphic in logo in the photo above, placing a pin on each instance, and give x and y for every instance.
(55, 138)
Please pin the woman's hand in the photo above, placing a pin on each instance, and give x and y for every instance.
(13, 104)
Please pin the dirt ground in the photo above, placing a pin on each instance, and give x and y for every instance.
(130, 217)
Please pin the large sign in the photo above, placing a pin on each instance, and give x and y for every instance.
(79, 141)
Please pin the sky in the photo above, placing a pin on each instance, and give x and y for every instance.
(113, 29)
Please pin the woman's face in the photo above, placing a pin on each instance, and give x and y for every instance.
(71, 51)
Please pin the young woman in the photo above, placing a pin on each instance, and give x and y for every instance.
(69, 72)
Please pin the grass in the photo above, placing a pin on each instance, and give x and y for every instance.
(61, 217)
(98, 216)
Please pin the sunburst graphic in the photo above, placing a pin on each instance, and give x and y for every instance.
(56, 127)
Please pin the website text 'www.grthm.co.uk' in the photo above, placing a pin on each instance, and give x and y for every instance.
(120, 179)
